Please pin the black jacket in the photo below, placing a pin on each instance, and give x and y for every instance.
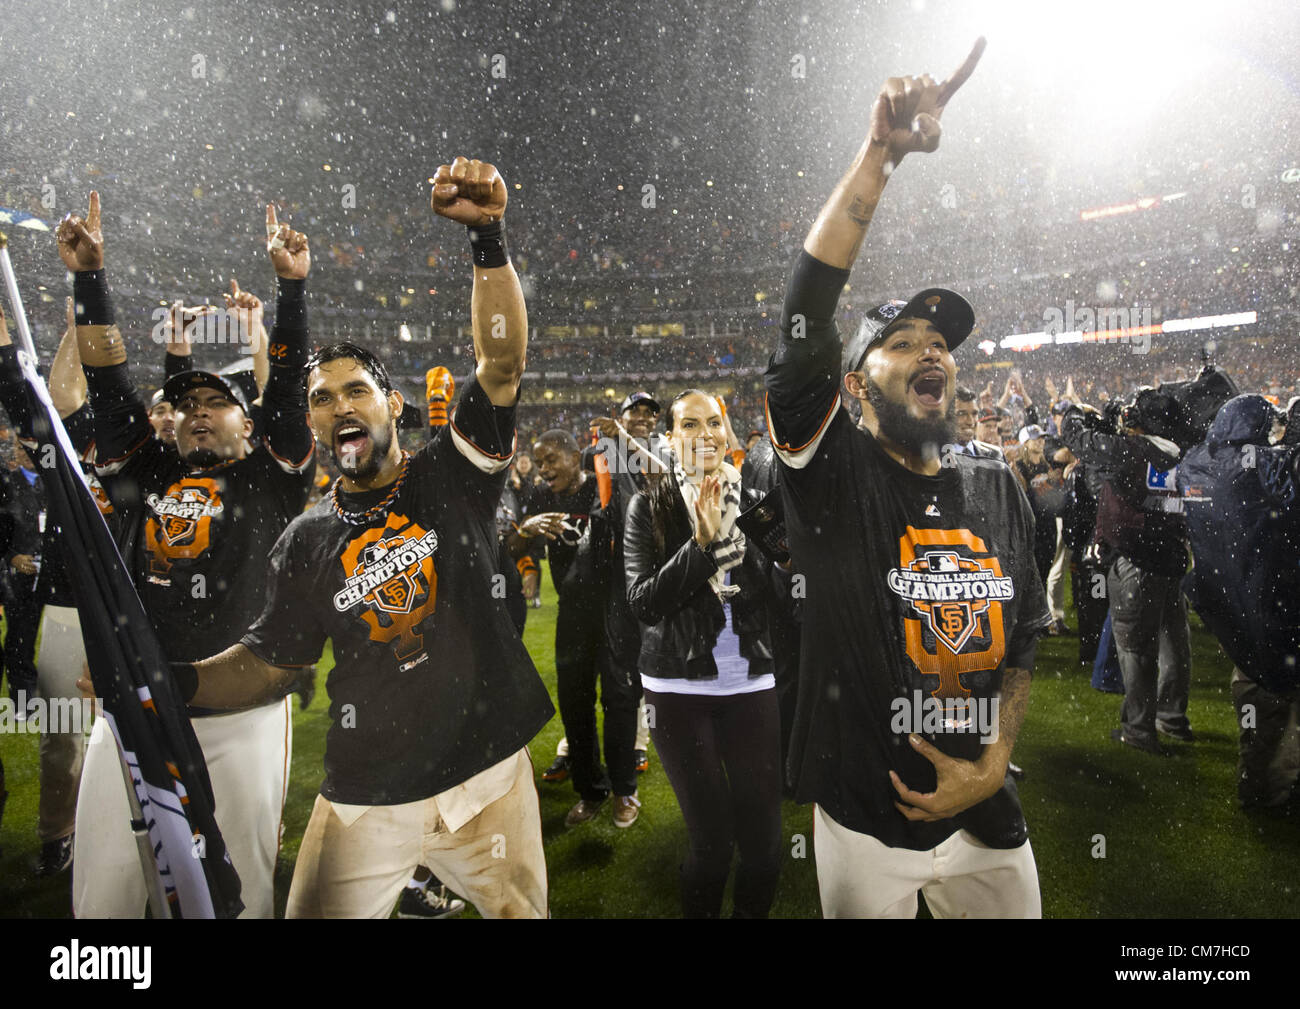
(668, 591)
(1242, 504)
(1139, 512)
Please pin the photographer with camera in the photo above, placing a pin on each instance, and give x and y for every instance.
(567, 520)
(1240, 502)
(1140, 522)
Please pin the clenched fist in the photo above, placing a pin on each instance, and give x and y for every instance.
(286, 247)
(81, 242)
(470, 192)
(905, 116)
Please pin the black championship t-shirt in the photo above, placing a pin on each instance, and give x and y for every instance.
(431, 684)
(196, 547)
(195, 540)
(578, 571)
(918, 591)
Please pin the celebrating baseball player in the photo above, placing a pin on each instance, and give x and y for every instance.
(191, 521)
(922, 605)
(432, 696)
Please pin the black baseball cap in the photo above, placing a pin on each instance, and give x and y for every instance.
(640, 397)
(412, 417)
(950, 313)
(241, 371)
(178, 385)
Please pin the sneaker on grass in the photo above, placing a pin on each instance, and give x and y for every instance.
(430, 902)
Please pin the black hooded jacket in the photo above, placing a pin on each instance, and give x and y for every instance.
(1243, 520)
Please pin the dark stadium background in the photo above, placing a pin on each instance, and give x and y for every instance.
(1052, 185)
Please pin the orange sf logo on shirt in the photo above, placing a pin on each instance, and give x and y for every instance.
(180, 527)
(954, 617)
(390, 570)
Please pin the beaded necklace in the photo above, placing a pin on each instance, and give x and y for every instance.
(362, 518)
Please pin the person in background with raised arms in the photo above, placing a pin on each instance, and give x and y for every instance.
(193, 523)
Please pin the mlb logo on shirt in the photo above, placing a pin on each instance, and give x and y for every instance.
(941, 562)
(1161, 479)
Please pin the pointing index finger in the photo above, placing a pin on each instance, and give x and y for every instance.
(272, 223)
(962, 73)
(92, 215)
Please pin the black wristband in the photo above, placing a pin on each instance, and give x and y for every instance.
(487, 243)
(288, 341)
(187, 679)
(93, 303)
(291, 303)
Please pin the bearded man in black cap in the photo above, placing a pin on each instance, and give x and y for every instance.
(922, 606)
(195, 523)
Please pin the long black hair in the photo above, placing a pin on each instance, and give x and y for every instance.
(668, 515)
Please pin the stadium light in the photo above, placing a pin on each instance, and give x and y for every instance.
(1106, 67)
(1032, 341)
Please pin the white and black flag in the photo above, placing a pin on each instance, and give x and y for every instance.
(129, 670)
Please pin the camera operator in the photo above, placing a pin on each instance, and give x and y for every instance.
(1089, 559)
(1139, 517)
(1240, 502)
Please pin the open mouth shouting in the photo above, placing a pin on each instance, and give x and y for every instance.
(930, 388)
(351, 440)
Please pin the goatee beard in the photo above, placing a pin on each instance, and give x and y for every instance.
(381, 442)
(202, 458)
(924, 438)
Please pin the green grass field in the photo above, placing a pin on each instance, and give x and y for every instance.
(1175, 842)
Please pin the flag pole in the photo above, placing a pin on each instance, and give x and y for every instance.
(139, 826)
(15, 300)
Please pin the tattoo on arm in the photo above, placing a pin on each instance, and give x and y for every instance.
(1012, 705)
(859, 212)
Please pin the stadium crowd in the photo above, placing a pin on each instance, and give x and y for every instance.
(660, 431)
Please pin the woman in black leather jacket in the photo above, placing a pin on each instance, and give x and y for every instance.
(706, 664)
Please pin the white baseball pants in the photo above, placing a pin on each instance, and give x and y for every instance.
(247, 754)
(858, 877)
(58, 667)
(354, 860)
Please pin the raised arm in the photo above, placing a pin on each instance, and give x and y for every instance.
(284, 400)
(474, 194)
(121, 422)
(246, 309)
(904, 118)
(804, 376)
(67, 383)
